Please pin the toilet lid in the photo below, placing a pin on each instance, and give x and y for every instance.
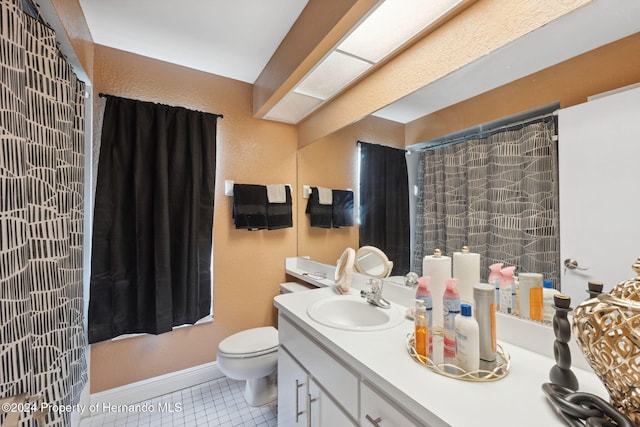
(256, 340)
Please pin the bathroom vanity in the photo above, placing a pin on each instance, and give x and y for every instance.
(330, 376)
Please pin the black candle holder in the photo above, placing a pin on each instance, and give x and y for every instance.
(561, 373)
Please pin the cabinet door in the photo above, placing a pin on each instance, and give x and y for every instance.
(378, 412)
(292, 391)
(323, 411)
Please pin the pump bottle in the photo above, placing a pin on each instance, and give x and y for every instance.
(467, 340)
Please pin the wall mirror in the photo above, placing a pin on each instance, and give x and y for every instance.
(535, 70)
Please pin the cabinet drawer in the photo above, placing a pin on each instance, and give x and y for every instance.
(377, 411)
(341, 383)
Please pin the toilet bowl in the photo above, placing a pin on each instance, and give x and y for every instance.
(252, 356)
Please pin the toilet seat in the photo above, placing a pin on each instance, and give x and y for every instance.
(249, 343)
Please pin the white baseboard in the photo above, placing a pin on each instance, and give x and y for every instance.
(153, 387)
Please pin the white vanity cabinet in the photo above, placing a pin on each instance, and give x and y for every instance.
(379, 412)
(301, 401)
(323, 411)
(311, 382)
(293, 387)
(316, 388)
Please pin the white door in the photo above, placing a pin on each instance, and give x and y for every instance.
(599, 178)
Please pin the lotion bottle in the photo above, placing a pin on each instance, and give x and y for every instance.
(467, 340)
(451, 308)
(422, 331)
(423, 293)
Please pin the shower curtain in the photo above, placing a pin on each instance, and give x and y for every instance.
(384, 203)
(498, 195)
(42, 350)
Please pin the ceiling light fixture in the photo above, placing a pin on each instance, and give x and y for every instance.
(386, 29)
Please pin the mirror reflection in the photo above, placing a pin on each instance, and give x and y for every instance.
(567, 83)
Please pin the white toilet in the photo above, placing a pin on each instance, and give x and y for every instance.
(252, 355)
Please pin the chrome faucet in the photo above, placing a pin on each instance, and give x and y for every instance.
(374, 294)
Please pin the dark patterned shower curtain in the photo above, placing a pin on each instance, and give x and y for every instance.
(42, 341)
(498, 195)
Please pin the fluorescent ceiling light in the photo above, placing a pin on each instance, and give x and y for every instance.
(392, 24)
(332, 74)
(292, 108)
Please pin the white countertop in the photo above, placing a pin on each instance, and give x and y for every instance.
(381, 357)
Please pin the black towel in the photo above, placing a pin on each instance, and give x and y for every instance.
(279, 215)
(342, 208)
(250, 206)
(320, 215)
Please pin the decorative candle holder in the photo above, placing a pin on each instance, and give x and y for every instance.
(561, 373)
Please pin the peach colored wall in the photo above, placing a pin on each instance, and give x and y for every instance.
(249, 151)
(570, 82)
(332, 162)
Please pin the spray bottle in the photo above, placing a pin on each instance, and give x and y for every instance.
(507, 291)
(451, 307)
(495, 277)
(423, 293)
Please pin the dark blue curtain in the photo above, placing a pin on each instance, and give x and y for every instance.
(152, 235)
(384, 203)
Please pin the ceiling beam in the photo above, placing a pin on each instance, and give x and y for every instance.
(320, 26)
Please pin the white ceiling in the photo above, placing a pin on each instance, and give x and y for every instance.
(230, 38)
(236, 39)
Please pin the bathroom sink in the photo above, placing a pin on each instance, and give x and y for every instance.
(353, 313)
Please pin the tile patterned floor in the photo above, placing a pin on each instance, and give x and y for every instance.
(216, 403)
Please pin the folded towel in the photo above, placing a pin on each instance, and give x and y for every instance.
(319, 215)
(250, 206)
(279, 215)
(342, 213)
(276, 193)
(325, 197)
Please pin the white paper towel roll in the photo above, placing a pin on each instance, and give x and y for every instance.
(439, 268)
(466, 268)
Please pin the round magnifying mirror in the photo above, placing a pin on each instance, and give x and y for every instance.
(344, 270)
(373, 262)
